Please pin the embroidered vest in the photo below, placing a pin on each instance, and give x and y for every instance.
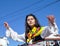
(34, 33)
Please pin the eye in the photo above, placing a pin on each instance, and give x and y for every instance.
(31, 18)
(28, 19)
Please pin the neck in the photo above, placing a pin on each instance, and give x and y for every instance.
(32, 27)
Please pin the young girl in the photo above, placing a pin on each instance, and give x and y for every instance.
(34, 33)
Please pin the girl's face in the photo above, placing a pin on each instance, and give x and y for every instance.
(31, 21)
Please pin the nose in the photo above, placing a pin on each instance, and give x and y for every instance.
(30, 21)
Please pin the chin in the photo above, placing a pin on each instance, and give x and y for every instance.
(31, 25)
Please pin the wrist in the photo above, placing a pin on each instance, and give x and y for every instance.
(7, 27)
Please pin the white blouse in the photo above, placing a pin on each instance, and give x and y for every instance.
(4, 41)
(48, 30)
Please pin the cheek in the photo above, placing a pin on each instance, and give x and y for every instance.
(28, 22)
(33, 21)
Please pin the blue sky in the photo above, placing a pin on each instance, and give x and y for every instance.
(15, 11)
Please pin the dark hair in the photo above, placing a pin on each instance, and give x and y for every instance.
(27, 27)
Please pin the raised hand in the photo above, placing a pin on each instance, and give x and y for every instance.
(51, 19)
(6, 25)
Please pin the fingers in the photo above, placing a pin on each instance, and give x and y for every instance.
(6, 25)
(50, 17)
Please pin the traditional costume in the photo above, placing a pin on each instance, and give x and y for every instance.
(34, 35)
(4, 41)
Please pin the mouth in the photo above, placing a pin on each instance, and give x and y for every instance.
(30, 22)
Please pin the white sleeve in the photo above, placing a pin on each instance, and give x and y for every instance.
(10, 33)
(56, 28)
(45, 32)
(48, 30)
(4, 41)
(53, 29)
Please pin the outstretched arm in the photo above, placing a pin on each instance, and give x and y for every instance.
(52, 24)
(14, 35)
(50, 30)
